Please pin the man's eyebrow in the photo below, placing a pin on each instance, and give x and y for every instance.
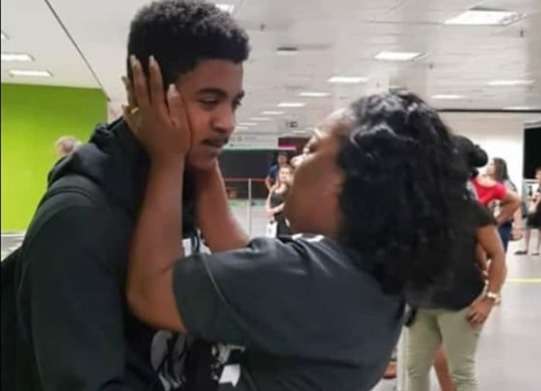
(213, 91)
(219, 92)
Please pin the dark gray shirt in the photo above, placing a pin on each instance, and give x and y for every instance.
(295, 313)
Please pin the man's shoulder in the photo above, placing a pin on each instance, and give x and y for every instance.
(71, 198)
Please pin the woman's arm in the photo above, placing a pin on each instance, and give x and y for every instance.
(164, 132)
(278, 208)
(509, 205)
(490, 241)
(268, 207)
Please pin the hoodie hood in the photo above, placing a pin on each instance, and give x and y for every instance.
(115, 160)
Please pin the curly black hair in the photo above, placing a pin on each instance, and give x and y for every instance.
(179, 33)
(473, 155)
(403, 174)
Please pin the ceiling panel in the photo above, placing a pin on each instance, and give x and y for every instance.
(335, 38)
(32, 29)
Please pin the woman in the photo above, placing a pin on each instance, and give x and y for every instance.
(276, 200)
(281, 161)
(497, 171)
(455, 310)
(534, 217)
(322, 309)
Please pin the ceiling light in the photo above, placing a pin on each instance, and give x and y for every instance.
(226, 7)
(241, 128)
(314, 94)
(521, 108)
(287, 51)
(299, 132)
(447, 96)
(498, 83)
(247, 124)
(397, 56)
(348, 79)
(291, 104)
(484, 17)
(30, 73)
(260, 119)
(270, 112)
(4, 36)
(23, 57)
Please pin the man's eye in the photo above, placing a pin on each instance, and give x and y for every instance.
(237, 104)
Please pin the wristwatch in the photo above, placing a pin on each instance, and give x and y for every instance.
(492, 296)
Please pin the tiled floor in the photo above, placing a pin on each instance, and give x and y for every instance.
(509, 356)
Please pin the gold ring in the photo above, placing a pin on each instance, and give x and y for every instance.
(134, 110)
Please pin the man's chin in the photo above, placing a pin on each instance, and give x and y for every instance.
(201, 163)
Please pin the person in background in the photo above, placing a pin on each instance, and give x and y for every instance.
(488, 190)
(276, 200)
(281, 160)
(534, 217)
(497, 171)
(66, 145)
(455, 311)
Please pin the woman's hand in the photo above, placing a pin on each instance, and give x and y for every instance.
(159, 121)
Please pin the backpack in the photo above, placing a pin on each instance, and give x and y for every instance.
(18, 367)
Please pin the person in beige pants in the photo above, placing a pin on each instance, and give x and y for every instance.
(455, 312)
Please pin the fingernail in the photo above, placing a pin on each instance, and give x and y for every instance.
(172, 88)
(151, 60)
(132, 60)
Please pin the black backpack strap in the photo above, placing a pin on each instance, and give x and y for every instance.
(76, 184)
(68, 184)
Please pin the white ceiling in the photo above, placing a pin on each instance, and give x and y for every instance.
(334, 37)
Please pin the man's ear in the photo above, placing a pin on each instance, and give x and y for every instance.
(129, 92)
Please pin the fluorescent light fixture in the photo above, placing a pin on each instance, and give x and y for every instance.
(291, 104)
(260, 119)
(447, 96)
(314, 94)
(287, 51)
(4, 36)
(484, 17)
(348, 79)
(29, 73)
(299, 132)
(521, 108)
(397, 56)
(22, 57)
(241, 128)
(246, 124)
(505, 83)
(270, 112)
(226, 7)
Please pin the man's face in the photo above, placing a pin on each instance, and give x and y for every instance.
(282, 160)
(212, 91)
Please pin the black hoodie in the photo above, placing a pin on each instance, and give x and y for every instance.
(71, 291)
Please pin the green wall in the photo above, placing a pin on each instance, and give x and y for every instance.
(33, 118)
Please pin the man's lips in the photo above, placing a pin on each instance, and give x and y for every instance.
(216, 143)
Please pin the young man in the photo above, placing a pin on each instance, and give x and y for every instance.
(320, 311)
(81, 335)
